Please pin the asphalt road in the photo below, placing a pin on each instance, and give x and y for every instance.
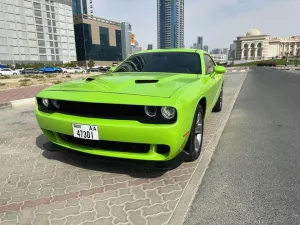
(254, 175)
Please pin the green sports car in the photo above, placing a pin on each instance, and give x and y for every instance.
(150, 107)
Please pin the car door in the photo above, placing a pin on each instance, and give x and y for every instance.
(211, 81)
(6, 72)
(77, 69)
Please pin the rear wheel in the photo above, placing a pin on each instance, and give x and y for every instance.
(14, 74)
(194, 144)
(219, 103)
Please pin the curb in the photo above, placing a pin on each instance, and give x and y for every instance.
(235, 71)
(183, 206)
(17, 103)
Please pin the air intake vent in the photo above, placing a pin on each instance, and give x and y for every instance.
(90, 79)
(145, 81)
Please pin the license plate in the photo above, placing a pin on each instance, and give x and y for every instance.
(89, 132)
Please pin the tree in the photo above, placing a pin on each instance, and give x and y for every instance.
(91, 63)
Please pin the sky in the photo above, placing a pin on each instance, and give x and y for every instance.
(218, 21)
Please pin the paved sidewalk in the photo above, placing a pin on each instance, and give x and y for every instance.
(41, 187)
(19, 93)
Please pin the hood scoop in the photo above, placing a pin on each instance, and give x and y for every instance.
(145, 81)
(90, 79)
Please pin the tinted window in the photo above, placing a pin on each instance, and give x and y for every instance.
(209, 65)
(165, 62)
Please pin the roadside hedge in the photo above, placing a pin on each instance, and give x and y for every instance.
(273, 64)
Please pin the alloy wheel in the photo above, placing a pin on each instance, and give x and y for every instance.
(198, 132)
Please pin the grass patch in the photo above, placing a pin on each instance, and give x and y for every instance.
(57, 82)
(25, 80)
(51, 75)
(277, 61)
(2, 84)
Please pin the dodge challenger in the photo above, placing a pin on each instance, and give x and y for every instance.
(150, 107)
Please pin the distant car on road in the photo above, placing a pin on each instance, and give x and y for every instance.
(30, 71)
(74, 70)
(95, 69)
(8, 72)
(49, 69)
(151, 107)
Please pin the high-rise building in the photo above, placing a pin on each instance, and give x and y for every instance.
(150, 47)
(82, 7)
(195, 46)
(231, 51)
(206, 48)
(126, 39)
(36, 31)
(98, 39)
(225, 51)
(199, 42)
(170, 23)
(216, 51)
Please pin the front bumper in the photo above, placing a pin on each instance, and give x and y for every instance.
(156, 142)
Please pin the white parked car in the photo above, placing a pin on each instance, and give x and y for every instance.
(19, 69)
(73, 70)
(8, 72)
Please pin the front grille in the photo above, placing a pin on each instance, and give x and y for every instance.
(107, 145)
(105, 111)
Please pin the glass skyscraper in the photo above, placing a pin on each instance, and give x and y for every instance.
(170, 23)
(126, 40)
(82, 7)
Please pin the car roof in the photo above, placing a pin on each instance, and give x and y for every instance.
(173, 50)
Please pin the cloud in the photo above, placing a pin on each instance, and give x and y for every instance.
(218, 21)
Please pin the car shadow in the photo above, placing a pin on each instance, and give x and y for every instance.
(133, 168)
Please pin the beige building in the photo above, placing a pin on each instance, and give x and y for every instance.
(97, 39)
(257, 46)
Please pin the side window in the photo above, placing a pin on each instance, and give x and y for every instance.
(209, 64)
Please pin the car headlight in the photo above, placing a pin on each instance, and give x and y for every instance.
(55, 103)
(45, 102)
(150, 111)
(168, 112)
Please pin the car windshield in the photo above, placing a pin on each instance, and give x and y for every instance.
(163, 62)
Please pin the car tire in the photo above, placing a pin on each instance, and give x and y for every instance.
(15, 74)
(219, 103)
(194, 144)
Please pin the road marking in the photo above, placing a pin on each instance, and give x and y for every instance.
(183, 205)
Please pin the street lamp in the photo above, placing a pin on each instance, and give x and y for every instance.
(12, 54)
(297, 55)
(286, 58)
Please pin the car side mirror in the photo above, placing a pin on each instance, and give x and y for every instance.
(219, 69)
(112, 69)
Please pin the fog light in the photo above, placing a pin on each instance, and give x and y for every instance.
(55, 103)
(45, 102)
(151, 111)
(168, 112)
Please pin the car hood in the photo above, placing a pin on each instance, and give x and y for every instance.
(144, 84)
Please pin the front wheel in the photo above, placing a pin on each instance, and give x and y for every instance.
(194, 144)
(219, 103)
